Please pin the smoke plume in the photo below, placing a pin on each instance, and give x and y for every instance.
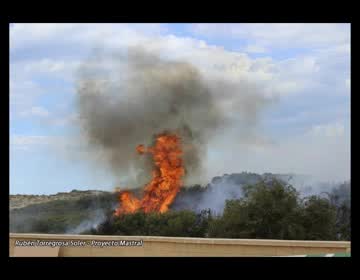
(97, 217)
(125, 99)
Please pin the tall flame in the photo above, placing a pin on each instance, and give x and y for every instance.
(166, 181)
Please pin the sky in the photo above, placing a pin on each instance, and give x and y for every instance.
(302, 71)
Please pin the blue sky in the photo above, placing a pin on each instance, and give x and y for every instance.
(302, 70)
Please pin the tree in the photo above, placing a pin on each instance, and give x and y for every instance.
(173, 223)
(234, 223)
(340, 198)
(319, 219)
(274, 210)
(343, 222)
(132, 224)
(180, 223)
(269, 209)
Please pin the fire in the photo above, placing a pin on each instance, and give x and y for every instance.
(166, 180)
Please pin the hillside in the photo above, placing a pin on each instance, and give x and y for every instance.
(19, 200)
(60, 213)
(79, 211)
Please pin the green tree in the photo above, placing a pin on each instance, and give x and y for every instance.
(319, 219)
(269, 209)
(340, 198)
(234, 223)
(133, 224)
(180, 223)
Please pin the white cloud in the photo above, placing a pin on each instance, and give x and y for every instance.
(280, 35)
(213, 61)
(318, 71)
(347, 83)
(255, 49)
(322, 152)
(22, 142)
(59, 145)
(216, 63)
(71, 119)
(272, 78)
(324, 69)
(51, 49)
(50, 68)
(315, 73)
(329, 130)
(33, 35)
(23, 92)
(47, 65)
(28, 84)
(36, 111)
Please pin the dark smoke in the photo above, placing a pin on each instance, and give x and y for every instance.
(125, 99)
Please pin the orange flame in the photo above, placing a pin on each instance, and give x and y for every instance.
(166, 181)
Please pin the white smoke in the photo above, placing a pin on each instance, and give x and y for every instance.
(98, 216)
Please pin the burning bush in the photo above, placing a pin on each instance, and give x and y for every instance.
(269, 209)
(166, 181)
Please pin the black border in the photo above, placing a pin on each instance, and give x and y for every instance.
(158, 266)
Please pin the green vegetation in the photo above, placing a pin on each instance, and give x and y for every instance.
(269, 209)
(59, 216)
(266, 211)
(173, 223)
